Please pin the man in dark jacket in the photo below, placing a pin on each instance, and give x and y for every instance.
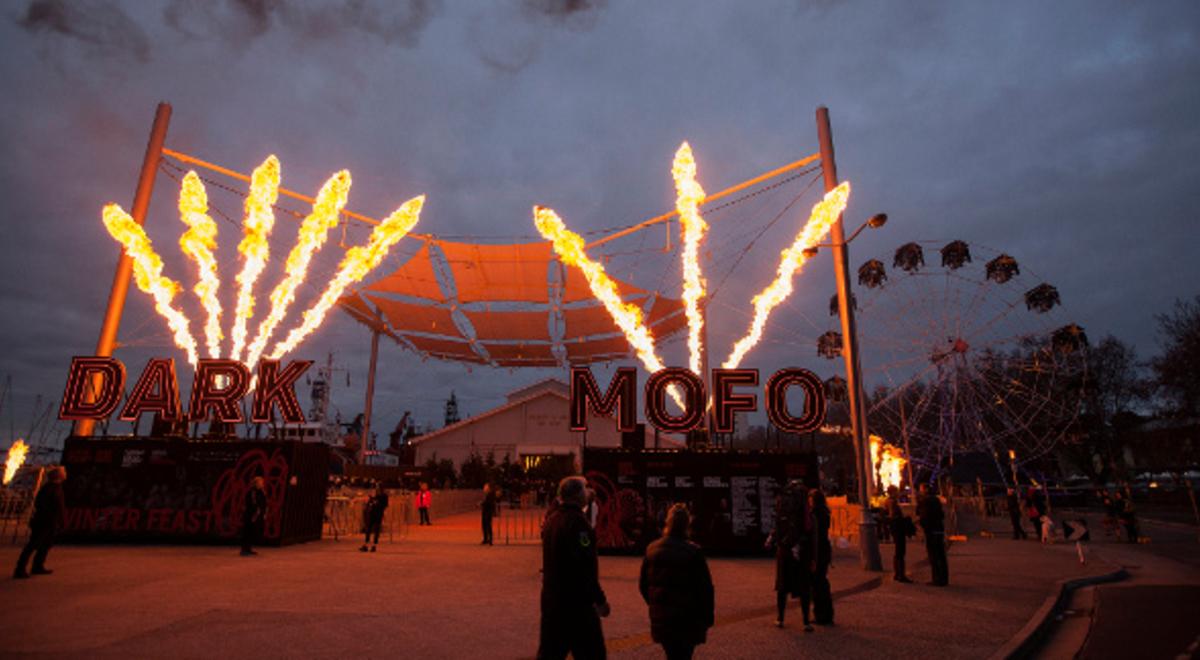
(677, 586)
(487, 509)
(572, 601)
(1013, 504)
(254, 516)
(933, 522)
(49, 511)
(377, 505)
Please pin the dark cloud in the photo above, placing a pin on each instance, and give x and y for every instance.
(573, 13)
(240, 21)
(101, 27)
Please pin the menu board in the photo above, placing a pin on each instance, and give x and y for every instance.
(731, 494)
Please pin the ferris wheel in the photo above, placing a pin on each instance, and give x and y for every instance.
(966, 356)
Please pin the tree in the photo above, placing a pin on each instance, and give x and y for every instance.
(1115, 389)
(1177, 370)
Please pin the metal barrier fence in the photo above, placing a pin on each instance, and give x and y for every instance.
(518, 525)
(16, 505)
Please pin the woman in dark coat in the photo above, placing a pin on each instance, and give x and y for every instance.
(677, 586)
(792, 537)
(822, 593)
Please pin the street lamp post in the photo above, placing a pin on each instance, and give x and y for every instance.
(867, 537)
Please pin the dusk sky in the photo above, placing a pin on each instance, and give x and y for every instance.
(1065, 134)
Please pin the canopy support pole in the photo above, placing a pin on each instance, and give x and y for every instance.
(366, 429)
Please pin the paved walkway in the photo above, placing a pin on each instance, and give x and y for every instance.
(438, 594)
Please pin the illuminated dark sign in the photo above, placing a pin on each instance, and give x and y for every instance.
(218, 387)
(621, 398)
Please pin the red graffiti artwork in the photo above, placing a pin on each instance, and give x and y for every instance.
(229, 495)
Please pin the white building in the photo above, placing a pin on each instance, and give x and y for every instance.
(533, 423)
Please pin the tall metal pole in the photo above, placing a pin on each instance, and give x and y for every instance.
(867, 538)
(366, 429)
(120, 285)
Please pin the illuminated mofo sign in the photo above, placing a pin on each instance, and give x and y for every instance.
(218, 387)
(621, 398)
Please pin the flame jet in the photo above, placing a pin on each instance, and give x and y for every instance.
(198, 243)
(628, 317)
(16, 456)
(313, 232)
(689, 197)
(824, 214)
(358, 262)
(254, 248)
(147, 272)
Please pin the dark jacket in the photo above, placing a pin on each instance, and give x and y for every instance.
(677, 586)
(255, 509)
(570, 568)
(929, 512)
(377, 505)
(49, 507)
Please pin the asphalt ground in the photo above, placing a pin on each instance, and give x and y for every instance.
(438, 594)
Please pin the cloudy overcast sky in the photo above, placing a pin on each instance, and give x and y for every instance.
(1066, 134)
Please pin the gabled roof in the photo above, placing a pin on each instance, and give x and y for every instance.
(491, 413)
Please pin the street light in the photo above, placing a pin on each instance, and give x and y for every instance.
(868, 539)
(878, 220)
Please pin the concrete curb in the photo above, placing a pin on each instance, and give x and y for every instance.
(1027, 640)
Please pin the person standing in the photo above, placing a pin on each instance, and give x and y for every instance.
(1127, 514)
(488, 510)
(933, 522)
(1014, 514)
(900, 527)
(49, 512)
(377, 504)
(254, 513)
(677, 587)
(424, 498)
(822, 593)
(572, 601)
(792, 539)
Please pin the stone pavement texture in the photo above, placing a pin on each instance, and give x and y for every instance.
(438, 594)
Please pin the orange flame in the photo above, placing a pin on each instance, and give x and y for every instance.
(824, 214)
(147, 272)
(889, 462)
(254, 248)
(198, 243)
(16, 456)
(628, 317)
(690, 195)
(313, 232)
(357, 263)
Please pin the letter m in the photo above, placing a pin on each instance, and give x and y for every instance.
(585, 395)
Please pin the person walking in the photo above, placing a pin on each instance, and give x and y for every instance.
(377, 504)
(1013, 504)
(424, 499)
(488, 510)
(254, 513)
(1110, 514)
(792, 538)
(572, 601)
(49, 513)
(900, 525)
(933, 523)
(678, 589)
(822, 593)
